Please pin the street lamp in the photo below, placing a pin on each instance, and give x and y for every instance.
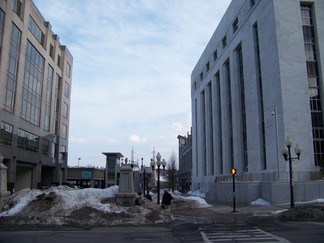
(286, 152)
(142, 179)
(158, 164)
(79, 162)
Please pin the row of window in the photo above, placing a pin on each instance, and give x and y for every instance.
(32, 82)
(39, 35)
(26, 140)
(224, 42)
(313, 83)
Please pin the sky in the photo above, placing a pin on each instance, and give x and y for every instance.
(132, 64)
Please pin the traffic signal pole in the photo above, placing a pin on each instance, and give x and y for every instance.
(233, 171)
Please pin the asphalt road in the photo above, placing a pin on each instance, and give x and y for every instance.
(200, 225)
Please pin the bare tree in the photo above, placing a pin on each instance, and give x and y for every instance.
(171, 172)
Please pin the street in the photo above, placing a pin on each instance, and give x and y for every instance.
(176, 232)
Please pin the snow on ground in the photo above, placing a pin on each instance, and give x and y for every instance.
(260, 202)
(64, 205)
(197, 194)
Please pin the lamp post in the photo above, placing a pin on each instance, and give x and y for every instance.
(286, 152)
(79, 162)
(158, 164)
(142, 173)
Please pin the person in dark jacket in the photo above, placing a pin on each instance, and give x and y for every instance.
(166, 200)
(148, 195)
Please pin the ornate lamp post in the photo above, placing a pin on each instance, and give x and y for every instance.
(158, 163)
(142, 174)
(286, 152)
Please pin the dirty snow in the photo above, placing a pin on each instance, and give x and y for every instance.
(64, 205)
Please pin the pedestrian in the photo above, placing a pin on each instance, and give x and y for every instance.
(166, 200)
(148, 195)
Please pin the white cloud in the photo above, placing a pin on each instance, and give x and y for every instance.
(131, 70)
(177, 126)
(137, 139)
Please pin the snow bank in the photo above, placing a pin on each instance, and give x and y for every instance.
(70, 199)
(260, 202)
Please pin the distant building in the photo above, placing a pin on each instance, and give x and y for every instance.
(112, 171)
(185, 162)
(35, 95)
(259, 81)
(84, 177)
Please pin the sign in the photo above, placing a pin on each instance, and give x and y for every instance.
(86, 174)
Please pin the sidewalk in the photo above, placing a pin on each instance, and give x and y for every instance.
(247, 209)
(226, 211)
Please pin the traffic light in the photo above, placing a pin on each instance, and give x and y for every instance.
(233, 171)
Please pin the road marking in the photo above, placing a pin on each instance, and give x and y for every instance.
(232, 235)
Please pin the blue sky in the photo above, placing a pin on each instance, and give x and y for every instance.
(132, 62)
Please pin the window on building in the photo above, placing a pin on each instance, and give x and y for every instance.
(45, 146)
(215, 55)
(207, 67)
(201, 76)
(65, 110)
(66, 89)
(32, 85)
(12, 68)
(64, 131)
(17, 7)
(48, 98)
(235, 25)
(252, 2)
(259, 84)
(224, 41)
(2, 15)
(313, 82)
(59, 61)
(6, 134)
(28, 141)
(240, 75)
(68, 69)
(51, 51)
(36, 31)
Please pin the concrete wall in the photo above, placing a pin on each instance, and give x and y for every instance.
(273, 192)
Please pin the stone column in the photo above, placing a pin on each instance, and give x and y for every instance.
(4, 193)
(126, 195)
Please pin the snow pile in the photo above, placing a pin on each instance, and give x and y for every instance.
(260, 202)
(197, 194)
(68, 206)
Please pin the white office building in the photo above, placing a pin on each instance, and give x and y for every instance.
(258, 82)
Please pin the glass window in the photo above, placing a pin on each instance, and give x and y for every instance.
(64, 131)
(45, 146)
(68, 69)
(6, 134)
(36, 31)
(32, 86)
(66, 89)
(215, 55)
(65, 110)
(235, 25)
(224, 41)
(17, 7)
(27, 141)
(12, 68)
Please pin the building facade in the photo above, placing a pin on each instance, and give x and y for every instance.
(185, 162)
(259, 81)
(35, 95)
(83, 177)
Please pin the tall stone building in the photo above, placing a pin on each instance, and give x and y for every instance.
(35, 95)
(259, 81)
(185, 161)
